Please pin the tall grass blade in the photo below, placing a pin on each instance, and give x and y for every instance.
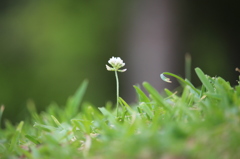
(33, 111)
(72, 108)
(123, 103)
(154, 94)
(142, 96)
(188, 63)
(1, 113)
(15, 139)
(204, 80)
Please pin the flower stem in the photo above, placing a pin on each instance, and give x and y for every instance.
(117, 83)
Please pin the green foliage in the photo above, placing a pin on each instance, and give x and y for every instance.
(198, 123)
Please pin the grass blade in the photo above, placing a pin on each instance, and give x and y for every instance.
(147, 110)
(155, 95)
(72, 108)
(56, 122)
(16, 137)
(1, 113)
(122, 102)
(44, 127)
(33, 139)
(107, 114)
(204, 80)
(188, 61)
(179, 78)
(142, 95)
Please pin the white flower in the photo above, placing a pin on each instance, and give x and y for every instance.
(116, 63)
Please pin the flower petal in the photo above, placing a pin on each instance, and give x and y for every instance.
(110, 68)
(123, 70)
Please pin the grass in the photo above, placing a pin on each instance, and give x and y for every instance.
(197, 123)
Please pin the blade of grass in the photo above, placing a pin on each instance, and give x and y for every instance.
(32, 139)
(83, 125)
(202, 90)
(147, 110)
(108, 114)
(1, 113)
(72, 108)
(56, 122)
(188, 61)
(142, 96)
(122, 102)
(44, 127)
(32, 110)
(180, 79)
(16, 137)
(171, 94)
(204, 80)
(155, 95)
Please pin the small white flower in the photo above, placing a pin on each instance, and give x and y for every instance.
(116, 63)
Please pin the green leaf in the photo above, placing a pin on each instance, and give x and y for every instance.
(142, 96)
(171, 94)
(165, 78)
(56, 121)
(188, 63)
(16, 137)
(107, 114)
(32, 110)
(186, 82)
(83, 125)
(155, 95)
(147, 110)
(1, 113)
(33, 139)
(122, 102)
(44, 127)
(73, 106)
(204, 80)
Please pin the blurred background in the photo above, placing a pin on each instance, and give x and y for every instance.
(47, 48)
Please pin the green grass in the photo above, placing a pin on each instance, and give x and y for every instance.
(197, 123)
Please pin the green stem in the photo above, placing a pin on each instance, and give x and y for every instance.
(117, 83)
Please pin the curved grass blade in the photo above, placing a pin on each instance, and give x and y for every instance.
(164, 78)
(179, 78)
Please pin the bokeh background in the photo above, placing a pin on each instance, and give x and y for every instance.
(47, 48)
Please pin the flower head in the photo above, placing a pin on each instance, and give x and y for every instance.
(116, 63)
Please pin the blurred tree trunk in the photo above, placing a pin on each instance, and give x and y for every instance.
(151, 44)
